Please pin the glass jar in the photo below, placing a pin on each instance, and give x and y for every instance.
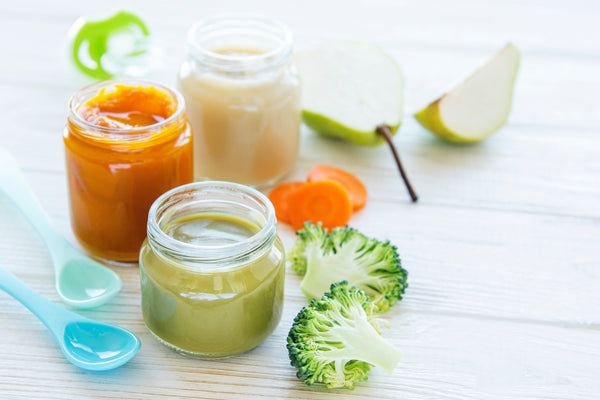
(126, 142)
(243, 97)
(212, 269)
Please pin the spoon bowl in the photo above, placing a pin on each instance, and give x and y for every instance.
(83, 283)
(98, 347)
(88, 344)
(80, 281)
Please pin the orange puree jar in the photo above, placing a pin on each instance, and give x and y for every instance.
(126, 142)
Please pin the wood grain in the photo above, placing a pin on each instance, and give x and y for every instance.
(502, 248)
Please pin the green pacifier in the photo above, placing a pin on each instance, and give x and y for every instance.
(119, 45)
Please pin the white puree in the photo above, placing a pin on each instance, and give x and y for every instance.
(245, 124)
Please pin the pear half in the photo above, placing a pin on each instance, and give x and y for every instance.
(479, 105)
(353, 91)
(349, 89)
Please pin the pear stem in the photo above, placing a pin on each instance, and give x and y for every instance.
(385, 131)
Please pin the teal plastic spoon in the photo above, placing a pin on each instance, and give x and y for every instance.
(80, 281)
(88, 344)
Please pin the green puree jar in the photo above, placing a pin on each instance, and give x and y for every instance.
(212, 269)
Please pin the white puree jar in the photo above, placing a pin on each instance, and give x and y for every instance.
(242, 96)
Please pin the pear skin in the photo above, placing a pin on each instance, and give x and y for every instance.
(329, 127)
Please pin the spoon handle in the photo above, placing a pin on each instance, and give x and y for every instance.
(52, 315)
(14, 185)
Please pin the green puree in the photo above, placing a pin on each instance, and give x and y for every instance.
(207, 311)
(210, 230)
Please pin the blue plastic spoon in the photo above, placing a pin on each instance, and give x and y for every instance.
(80, 281)
(86, 343)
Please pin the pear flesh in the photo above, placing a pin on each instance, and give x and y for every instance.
(349, 89)
(479, 105)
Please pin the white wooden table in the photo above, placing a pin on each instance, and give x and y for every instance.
(503, 248)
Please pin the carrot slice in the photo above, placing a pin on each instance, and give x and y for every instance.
(324, 201)
(280, 196)
(356, 190)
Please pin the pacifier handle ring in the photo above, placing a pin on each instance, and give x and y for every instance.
(96, 34)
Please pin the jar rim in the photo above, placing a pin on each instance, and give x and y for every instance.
(123, 134)
(242, 62)
(210, 254)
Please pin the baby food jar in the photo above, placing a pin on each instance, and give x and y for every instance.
(243, 97)
(126, 142)
(212, 269)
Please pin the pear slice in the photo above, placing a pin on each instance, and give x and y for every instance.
(479, 105)
(353, 91)
(348, 89)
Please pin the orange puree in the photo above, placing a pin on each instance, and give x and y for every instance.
(125, 145)
(127, 107)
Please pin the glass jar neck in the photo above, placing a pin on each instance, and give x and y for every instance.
(79, 125)
(238, 45)
(212, 198)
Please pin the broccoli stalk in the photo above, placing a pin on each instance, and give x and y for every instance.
(336, 339)
(346, 254)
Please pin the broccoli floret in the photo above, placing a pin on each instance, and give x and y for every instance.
(336, 340)
(346, 254)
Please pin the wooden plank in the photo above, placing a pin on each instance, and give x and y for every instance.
(520, 168)
(554, 26)
(442, 359)
(509, 265)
